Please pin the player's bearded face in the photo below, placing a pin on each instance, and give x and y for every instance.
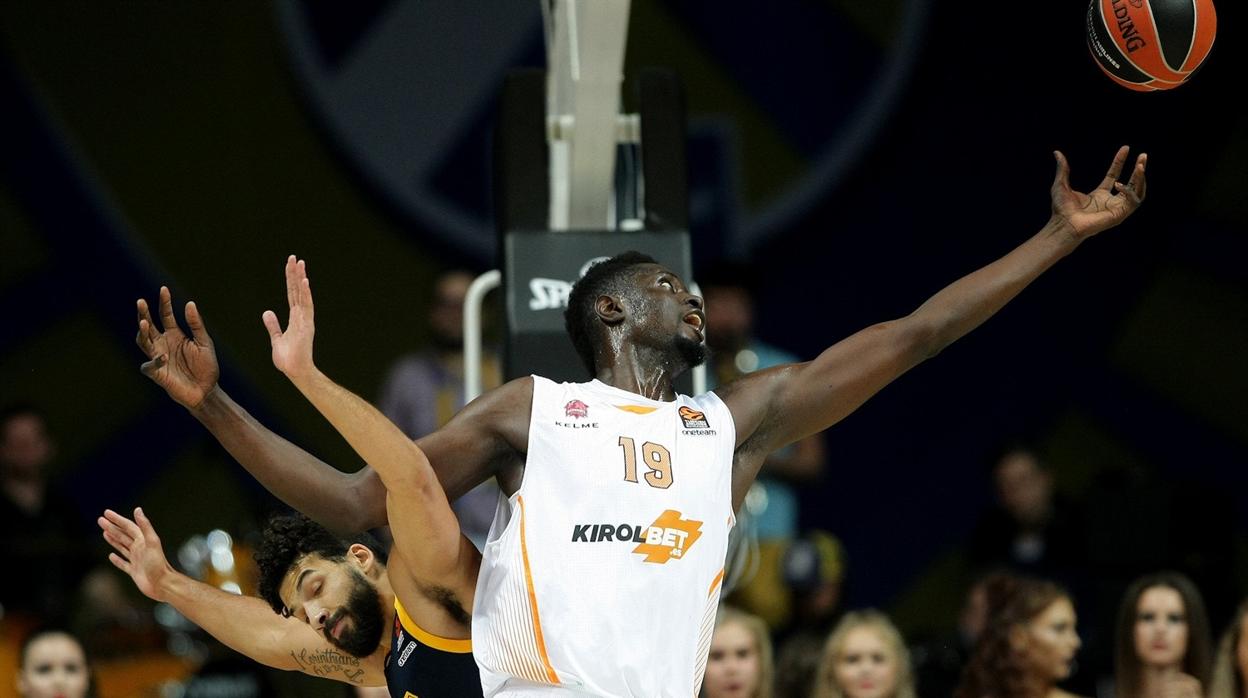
(362, 613)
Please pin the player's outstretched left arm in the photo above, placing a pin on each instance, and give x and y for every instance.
(426, 532)
(244, 623)
(778, 406)
(186, 367)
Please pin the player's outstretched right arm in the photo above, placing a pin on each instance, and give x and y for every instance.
(244, 623)
(426, 532)
(186, 367)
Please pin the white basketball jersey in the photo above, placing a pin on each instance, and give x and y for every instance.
(601, 574)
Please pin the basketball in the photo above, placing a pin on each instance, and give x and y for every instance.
(1150, 45)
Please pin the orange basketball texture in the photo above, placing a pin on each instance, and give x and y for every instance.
(1150, 45)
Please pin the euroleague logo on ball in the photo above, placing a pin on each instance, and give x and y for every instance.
(1150, 45)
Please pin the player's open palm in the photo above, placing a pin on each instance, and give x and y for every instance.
(138, 552)
(1104, 207)
(185, 366)
(292, 349)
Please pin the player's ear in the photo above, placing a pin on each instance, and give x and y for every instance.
(610, 309)
(362, 557)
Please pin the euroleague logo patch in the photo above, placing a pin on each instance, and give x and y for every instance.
(695, 422)
(693, 419)
(670, 536)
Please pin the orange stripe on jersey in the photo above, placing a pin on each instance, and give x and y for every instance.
(715, 582)
(636, 409)
(537, 623)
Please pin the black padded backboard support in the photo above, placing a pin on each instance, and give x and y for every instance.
(539, 265)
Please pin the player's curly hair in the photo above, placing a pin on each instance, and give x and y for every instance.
(606, 277)
(996, 667)
(288, 538)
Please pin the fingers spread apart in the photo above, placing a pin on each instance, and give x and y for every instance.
(1115, 168)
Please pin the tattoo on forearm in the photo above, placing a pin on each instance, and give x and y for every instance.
(327, 663)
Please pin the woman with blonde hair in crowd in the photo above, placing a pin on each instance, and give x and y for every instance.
(865, 657)
(1230, 667)
(1028, 645)
(1162, 645)
(739, 664)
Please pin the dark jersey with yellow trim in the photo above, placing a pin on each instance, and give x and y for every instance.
(421, 665)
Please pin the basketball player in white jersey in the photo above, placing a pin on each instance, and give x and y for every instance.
(562, 604)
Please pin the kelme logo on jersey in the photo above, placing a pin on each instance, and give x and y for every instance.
(693, 419)
(577, 410)
(670, 536)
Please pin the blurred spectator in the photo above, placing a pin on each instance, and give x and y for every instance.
(813, 571)
(1027, 646)
(739, 663)
(771, 509)
(938, 664)
(423, 390)
(814, 574)
(1141, 518)
(53, 664)
(1031, 530)
(41, 532)
(1162, 644)
(1230, 667)
(865, 657)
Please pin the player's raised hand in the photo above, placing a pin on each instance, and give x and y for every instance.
(1105, 206)
(292, 349)
(138, 552)
(186, 367)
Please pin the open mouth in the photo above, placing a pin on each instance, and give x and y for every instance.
(695, 320)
